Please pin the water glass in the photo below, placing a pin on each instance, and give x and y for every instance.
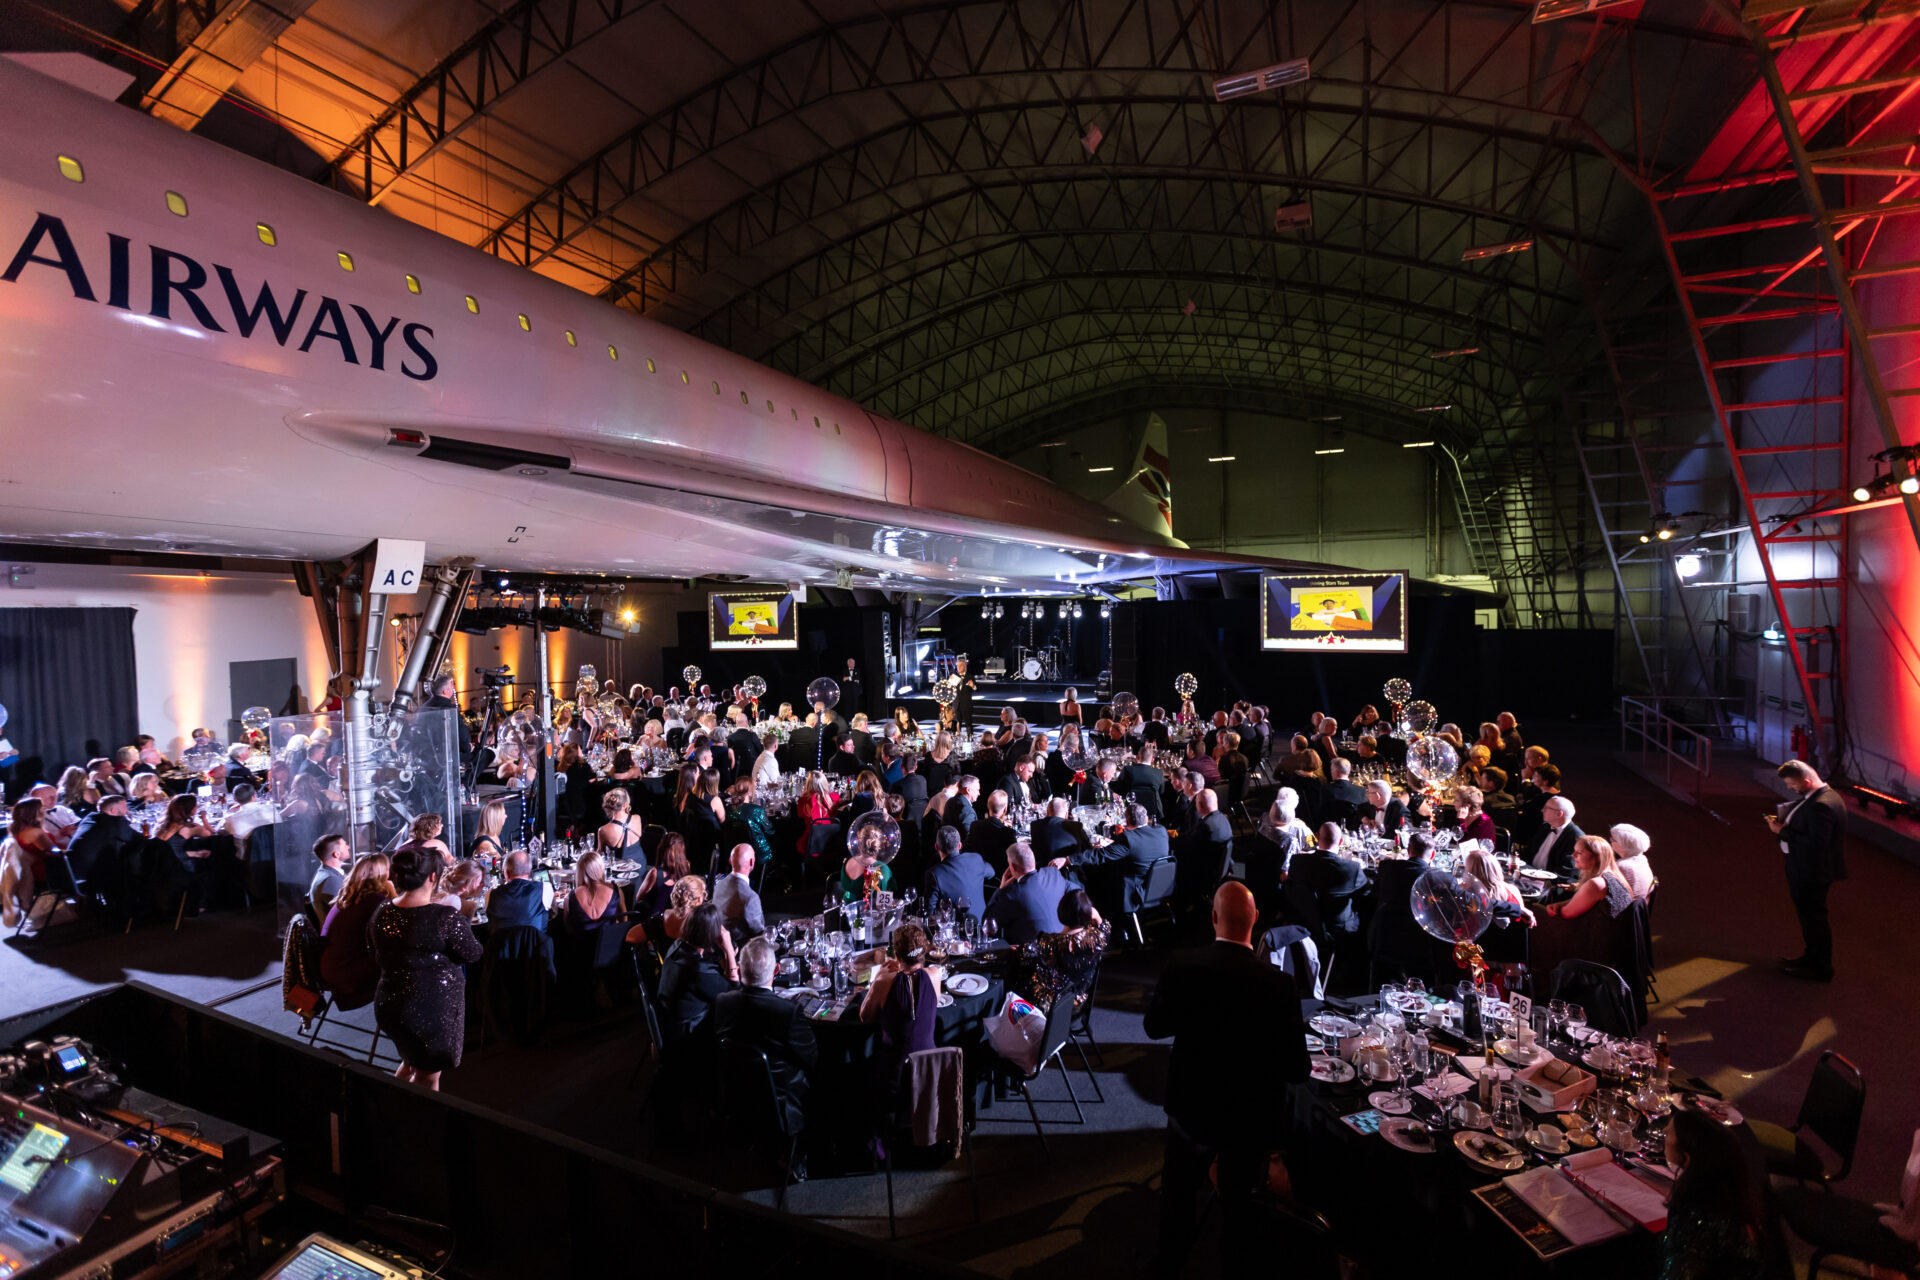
(1576, 1020)
(1556, 1018)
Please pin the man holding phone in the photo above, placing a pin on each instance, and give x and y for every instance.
(1813, 836)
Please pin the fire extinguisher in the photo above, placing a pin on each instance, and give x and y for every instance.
(1802, 742)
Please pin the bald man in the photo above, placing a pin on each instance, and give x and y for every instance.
(734, 892)
(1237, 1033)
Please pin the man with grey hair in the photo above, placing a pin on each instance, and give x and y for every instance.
(1108, 872)
(753, 1015)
(734, 892)
(1553, 851)
(519, 900)
(1027, 903)
(1630, 845)
(1056, 837)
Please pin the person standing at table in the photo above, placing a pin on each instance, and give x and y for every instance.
(1231, 1017)
(963, 687)
(1813, 836)
(420, 1002)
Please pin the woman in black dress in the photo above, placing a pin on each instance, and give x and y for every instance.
(698, 968)
(903, 999)
(421, 1000)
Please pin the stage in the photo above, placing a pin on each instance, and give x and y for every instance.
(1035, 701)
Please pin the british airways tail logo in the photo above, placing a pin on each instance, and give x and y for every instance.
(180, 287)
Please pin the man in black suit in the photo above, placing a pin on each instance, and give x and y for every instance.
(912, 787)
(963, 687)
(1056, 836)
(960, 877)
(1182, 788)
(1380, 809)
(1231, 1018)
(443, 688)
(1027, 903)
(959, 812)
(753, 1015)
(993, 835)
(1553, 851)
(99, 846)
(802, 752)
(1813, 836)
(744, 744)
(862, 738)
(1202, 849)
(1342, 796)
(1395, 940)
(853, 695)
(1097, 790)
(1320, 889)
(1108, 873)
(1498, 803)
(1024, 785)
(1143, 775)
(1156, 732)
(1534, 794)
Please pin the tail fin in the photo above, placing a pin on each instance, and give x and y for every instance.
(1145, 497)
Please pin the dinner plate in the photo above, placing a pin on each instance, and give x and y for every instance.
(1387, 1102)
(1713, 1108)
(1409, 1135)
(967, 984)
(1536, 873)
(1489, 1151)
(1520, 1055)
(1332, 1024)
(946, 1001)
(1329, 1070)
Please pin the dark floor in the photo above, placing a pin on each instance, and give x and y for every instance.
(1723, 920)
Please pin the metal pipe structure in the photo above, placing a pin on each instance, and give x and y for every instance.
(444, 579)
(358, 774)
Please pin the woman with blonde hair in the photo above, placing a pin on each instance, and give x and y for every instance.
(1600, 881)
(347, 963)
(76, 790)
(461, 888)
(621, 832)
(593, 899)
(1485, 868)
(486, 841)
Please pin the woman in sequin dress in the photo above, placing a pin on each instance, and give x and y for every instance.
(421, 1000)
(1065, 963)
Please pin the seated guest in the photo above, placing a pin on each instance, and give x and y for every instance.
(748, 821)
(1502, 892)
(420, 1001)
(1630, 845)
(1065, 963)
(23, 854)
(327, 882)
(1474, 823)
(688, 895)
(887, 763)
(1341, 798)
(1233, 765)
(1198, 761)
(745, 745)
(991, 835)
(1056, 837)
(766, 765)
(911, 786)
(487, 844)
(1322, 884)
(754, 1015)
(854, 871)
(145, 788)
(1027, 902)
(519, 900)
(619, 836)
(1283, 828)
(1379, 811)
(1544, 786)
(1097, 791)
(1110, 872)
(105, 777)
(1500, 806)
(425, 834)
(1204, 848)
(1395, 939)
(960, 877)
(1178, 810)
(698, 969)
(938, 768)
(1600, 881)
(1142, 775)
(1156, 732)
(96, 852)
(192, 843)
(347, 963)
(461, 887)
(1553, 851)
(58, 819)
(625, 767)
(987, 760)
(904, 722)
(957, 802)
(592, 899)
(1720, 1224)
(902, 1000)
(733, 892)
(1023, 786)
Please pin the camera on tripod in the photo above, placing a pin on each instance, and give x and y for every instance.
(494, 677)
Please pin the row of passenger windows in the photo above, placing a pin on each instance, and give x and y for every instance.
(73, 171)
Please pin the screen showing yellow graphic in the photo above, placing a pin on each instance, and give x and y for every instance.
(752, 618)
(1331, 609)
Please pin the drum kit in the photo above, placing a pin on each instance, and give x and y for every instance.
(1039, 664)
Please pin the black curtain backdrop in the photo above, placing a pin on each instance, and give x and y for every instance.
(67, 681)
(1082, 640)
(828, 637)
(1469, 674)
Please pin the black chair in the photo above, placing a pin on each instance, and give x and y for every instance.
(302, 963)
(751, 1111)
(1601, 991)
(1081, 1027)
(1059, 1031)
(1291, 949)
(650, 1021)
(1155, 890)
(1839, 1226)
(58, 885)
(893, 1120)
(516, 984)
(1830, 1110)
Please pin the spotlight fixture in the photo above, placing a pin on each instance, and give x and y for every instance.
(1862, 493)
(1902, 475)
(1687, 566)
(1664, 527)
(1417, 444)
(1225, 457)
(1321, 453)
(1094, 471)
(1066, 611)
(1433, 408)
(503, 584)
(1293, 217)
(1106, 608)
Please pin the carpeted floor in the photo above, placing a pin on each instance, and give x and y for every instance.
(1723, 920)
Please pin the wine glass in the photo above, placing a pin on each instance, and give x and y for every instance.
(1400, 1055)
(1576, 1021)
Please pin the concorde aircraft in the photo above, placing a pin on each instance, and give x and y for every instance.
(201, 352)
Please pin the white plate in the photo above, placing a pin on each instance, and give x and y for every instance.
(1712, 1108)
(1332, 1024)
(1409, 1135)
(967, 984)
(1519, 1055)
(1488, 1151)
(946, 1001)
(1386, 1102)
(1536, 873)
(1329, 1070)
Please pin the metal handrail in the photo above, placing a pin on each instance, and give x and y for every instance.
(1656, 732)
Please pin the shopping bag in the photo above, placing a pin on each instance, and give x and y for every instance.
(1016, 1033)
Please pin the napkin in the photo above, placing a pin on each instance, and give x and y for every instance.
(1549, 1193)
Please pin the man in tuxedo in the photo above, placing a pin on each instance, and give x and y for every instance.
(1057, 836)
(1499, 805)
(1553, 851)
(744, 744)
(959, 812)
(861, 737)
(1156, 731)
(1543, 786)
(1231, 1017)
(1144, 775)
(1380, 809)
(1108, 872)
(99, 848)
(735, 894)
(1320, 889)
(1813, 836)
(802, 751)
(993, 835)
(1341, 790)
(960, 877)
(853, 695)
(1395, 940)
(753, 1015)
(1027, 903)
(443, 688)
(1023, 785)
(963, 688)
(1182, 788)
(1097, 790)
(1202, 849)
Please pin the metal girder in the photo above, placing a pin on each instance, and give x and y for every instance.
(516, 44)
(228, 43)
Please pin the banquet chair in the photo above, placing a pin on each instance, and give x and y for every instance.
(1601, 991)
(517, 977)
(1156, 890)
(1290, 949)
(963, 1124)
(650, 1022)
(1840, 1226)
(57, 885)
(1059, 1029)
(1830, 1110)
(751, 1112)
(1081, 1026)
(1148, 798)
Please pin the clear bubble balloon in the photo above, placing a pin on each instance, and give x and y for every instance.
(824, 692)
(1452, 907)
(1432, 760)
(255, 718)
(691, 674)
(1419, 717)
(1185, 684)
(754, 687)
(1399, 692)
(945, 691)
(1125, 706)
(874, 835)
(199, 759)
(3, 715)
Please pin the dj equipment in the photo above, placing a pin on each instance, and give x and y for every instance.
(321, 1257)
